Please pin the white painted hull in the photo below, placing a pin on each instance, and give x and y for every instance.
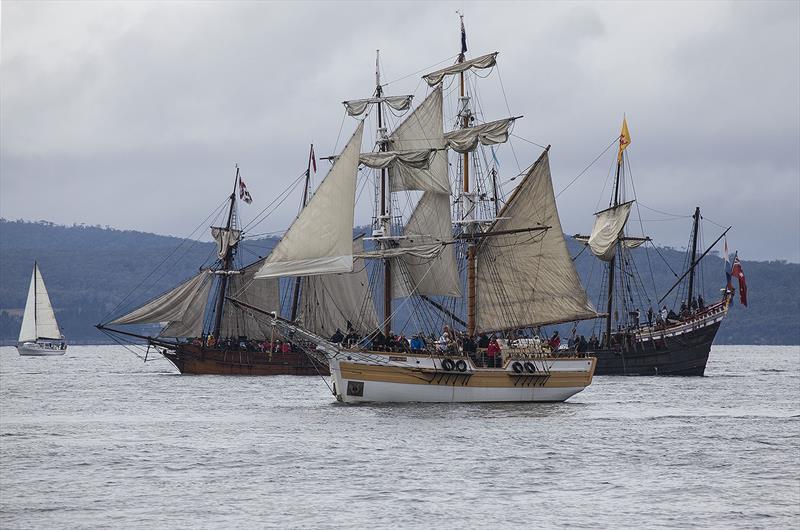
(382, 382)
(40, 350)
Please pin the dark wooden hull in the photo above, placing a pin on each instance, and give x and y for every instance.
(190, 359)
(680, 350)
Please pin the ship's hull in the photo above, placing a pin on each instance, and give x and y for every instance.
(197, 360)
(423, 379)
(679, 350)
(34, 349)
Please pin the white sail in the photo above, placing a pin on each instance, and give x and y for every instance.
(416, 159)
(466, 140)
(484, 61)
(607, 229)
(170, 306)
(357, 107)
(39, 320)
(423, 129)
(264, 294)
(225, 238)
(426, 275)
(320, 239)
(330, 301)
(191, 322)
(528, 279)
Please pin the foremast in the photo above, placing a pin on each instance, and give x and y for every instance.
(227, 261)
(385, 219)
(624, 141)
(466, 197)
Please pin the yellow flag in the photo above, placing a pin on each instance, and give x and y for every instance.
(624, 139)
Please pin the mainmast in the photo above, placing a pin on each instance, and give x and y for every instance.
(694, 256)
(296, 294)
(464, 110)
(227, 262)
(385, 215)
(624, 140)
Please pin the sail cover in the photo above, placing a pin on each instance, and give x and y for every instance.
(421, 275)
(423, 129)
(330, 301)
(320, 241)
(170, 306)
(608, 225)
(466, 140)
(528, 279)
(264, 294)
(357, 107)
(39, 320)
(225, 238)
(484, 61)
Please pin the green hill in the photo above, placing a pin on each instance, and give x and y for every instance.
(90, 270)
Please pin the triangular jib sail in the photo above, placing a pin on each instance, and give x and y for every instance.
(320, 241)
(39, 320)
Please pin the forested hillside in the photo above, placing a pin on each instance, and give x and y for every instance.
(89, 272)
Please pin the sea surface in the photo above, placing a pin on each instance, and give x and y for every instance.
(99, 439)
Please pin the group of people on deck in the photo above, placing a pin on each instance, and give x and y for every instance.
(244, 344)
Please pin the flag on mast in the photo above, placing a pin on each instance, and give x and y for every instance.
(624, 139)
(243, 193)
(727, 266)
(739, 273)
(463, 36)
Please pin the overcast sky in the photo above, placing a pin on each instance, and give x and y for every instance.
(133, 114)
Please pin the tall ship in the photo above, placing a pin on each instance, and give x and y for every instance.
(40, 334)
(200, 332)
(455, 268)
(641, 334)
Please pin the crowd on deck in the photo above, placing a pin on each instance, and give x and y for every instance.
(245, 344)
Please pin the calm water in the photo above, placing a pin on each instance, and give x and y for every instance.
(98, 439)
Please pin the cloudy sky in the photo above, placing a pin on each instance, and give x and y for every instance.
(133, 114)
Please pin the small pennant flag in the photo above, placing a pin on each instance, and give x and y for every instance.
(243, 193)
(624, 139)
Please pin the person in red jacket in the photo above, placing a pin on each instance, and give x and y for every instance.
(493, 353)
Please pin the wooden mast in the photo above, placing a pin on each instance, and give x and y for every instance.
(694, 256)
(612, 263)
(471, 299)
(296, 294)
(227, 261)
(385, 210)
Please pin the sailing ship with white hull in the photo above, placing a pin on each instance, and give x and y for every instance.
(40, 334)
(674, 341)
(518, 272)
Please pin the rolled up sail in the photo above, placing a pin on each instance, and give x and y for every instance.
(320, 241)
(357, 107)
(484, 61)
(225, 238)
(416, 159)
(466, 140)
(528, 279)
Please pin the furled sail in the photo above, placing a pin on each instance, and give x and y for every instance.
(225, 238)
(330, 301)
(466, 140)
(423, 129)
(320, 239)
(608, 226)
(417, 159)
(357, 107)
(528, 279)
(39, 320)
(423, 275)
(484, 61)
(170, 306)
(264, 294)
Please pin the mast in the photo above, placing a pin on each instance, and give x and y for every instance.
(612, 263)
(694, 255)
(385, 217)
(296, 294)
(35, 282)
(226, 263)
(471, 299)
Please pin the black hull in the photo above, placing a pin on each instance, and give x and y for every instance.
(682, 355)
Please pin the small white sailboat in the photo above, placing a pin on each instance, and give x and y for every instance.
(40, 334)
